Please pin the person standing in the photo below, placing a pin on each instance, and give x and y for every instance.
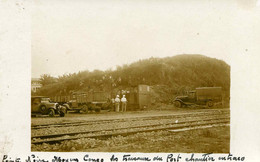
(123, 101)
(117, 103)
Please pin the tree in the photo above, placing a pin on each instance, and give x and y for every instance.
(46, 79)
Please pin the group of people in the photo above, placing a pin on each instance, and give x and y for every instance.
(117, 102)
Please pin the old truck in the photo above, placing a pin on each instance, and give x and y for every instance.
(85, 101)
(206, 96)
(44, 106)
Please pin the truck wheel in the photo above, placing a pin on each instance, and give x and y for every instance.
(209, 104)
(177, 104)
(85, 109)
(51, 112)
(43, 108)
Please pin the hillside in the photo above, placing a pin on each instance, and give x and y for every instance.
(170, 75)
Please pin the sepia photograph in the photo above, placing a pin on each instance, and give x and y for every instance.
(129, 77)
(124, 80)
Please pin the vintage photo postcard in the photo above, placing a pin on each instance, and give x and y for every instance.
(130, 81)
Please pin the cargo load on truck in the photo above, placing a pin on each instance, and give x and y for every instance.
(206, 96)
(85, 101)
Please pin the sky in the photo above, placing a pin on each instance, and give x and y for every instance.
(72, 36)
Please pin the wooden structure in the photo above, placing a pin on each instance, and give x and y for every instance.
(138, 98)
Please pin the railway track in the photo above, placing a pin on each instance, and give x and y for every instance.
(114, 125)
(177, 116)
(183, 125)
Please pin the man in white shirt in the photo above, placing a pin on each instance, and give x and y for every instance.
(123, 100)
(117, 102)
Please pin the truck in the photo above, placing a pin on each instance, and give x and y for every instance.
(44, 106)
(85, 101)
(205, 96)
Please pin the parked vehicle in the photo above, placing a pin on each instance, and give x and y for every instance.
(208, 96)
(85, 101)
(43, 105)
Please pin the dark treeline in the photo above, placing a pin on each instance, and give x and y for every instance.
(174, 75)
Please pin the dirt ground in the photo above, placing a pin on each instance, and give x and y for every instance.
(213, 140)
(210, 140)
(76, 117)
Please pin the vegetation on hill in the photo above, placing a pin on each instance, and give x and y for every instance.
(170, 75)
